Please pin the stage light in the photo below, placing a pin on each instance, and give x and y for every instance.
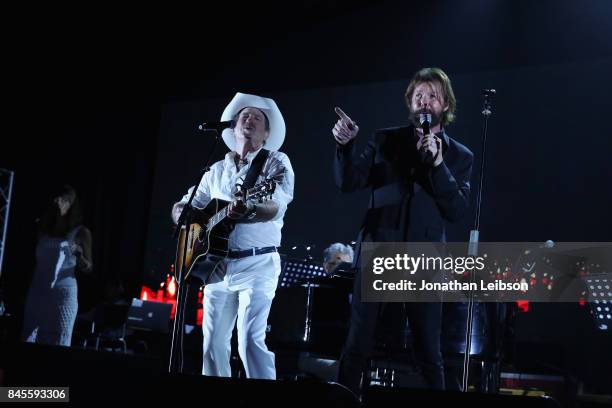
(172, 288)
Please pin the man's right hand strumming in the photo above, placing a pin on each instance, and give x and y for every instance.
(345, 128)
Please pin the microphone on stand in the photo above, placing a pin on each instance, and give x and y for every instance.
(487, 94)
(425, 121)
(218, 126)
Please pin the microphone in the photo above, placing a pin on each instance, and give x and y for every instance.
(425, 121)
(218, 126)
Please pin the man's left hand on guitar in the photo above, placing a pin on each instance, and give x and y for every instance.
(239, 209)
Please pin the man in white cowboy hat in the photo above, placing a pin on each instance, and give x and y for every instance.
(244, 294)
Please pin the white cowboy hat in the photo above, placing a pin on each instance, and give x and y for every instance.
(267, 106)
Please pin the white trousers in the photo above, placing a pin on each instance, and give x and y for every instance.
(243, 297)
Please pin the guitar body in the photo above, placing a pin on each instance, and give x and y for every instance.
(205, 248)
(204, 240)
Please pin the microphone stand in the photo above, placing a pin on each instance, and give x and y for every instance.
(175, 364)
(474, 236)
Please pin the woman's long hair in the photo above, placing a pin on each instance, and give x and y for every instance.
(53, 223)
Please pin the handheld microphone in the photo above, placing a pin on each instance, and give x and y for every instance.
(425, 121)
(218, 126)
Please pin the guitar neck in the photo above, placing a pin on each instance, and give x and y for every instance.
(218, 217)
(259, 192)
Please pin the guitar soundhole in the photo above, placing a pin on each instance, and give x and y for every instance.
(199, 237)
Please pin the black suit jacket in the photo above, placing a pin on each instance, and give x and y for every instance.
(410, 201)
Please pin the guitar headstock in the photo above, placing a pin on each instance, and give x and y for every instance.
(262, 191)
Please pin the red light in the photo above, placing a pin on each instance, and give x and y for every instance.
(146, 293)
(582, 302)
(200, 317)
(173, 311)
(172, 288)
(523, 305)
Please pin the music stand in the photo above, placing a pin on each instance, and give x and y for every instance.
(599, 291)
(297, 272)
(310, 309)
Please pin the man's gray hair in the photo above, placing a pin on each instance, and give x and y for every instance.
(337, 247)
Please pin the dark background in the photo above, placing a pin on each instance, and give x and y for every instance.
(107, 100)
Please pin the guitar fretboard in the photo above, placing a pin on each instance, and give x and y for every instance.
(217, 218)
(259, 192)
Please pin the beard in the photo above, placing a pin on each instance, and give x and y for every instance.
(414, 117)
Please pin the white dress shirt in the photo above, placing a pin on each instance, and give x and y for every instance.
(220, 182)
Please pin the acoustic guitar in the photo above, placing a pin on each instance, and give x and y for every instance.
(206, 235)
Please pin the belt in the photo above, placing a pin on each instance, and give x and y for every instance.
(251, 252)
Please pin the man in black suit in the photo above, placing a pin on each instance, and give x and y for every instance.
(418, 182)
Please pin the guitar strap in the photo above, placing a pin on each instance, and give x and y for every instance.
(255, 169)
